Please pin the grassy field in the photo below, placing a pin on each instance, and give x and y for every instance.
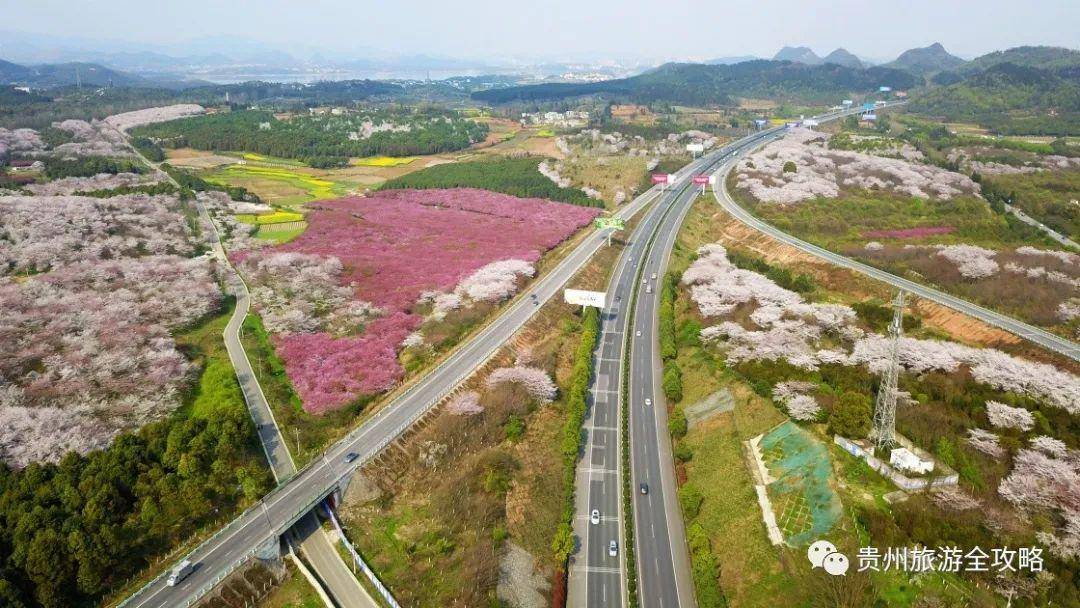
(217, 389)
(279, 237)
(278, 184)
(293, 592)
(751, 570)
(842, 222)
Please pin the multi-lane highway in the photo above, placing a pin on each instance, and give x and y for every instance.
(663, 564)
(314, 544)
(596, 577)
(294, 498)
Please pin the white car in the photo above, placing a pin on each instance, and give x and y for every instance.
(613, 549)
(638, 334)
(595, 516)
(654, 276)
(648, 401)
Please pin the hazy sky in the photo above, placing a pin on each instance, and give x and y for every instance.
(566, 29)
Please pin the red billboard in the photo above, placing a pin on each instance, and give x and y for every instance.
(701, 179)
(659, 178)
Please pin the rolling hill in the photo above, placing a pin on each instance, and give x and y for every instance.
(1011, 99)
(1046, 57)
(797, 54)
(699, 84)
(842, 57)
(62, 74)
(926, 60)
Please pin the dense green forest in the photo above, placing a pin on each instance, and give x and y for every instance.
(321, 137)
(39, 109)
(1010, 99)
(698, 84)
(1046, 57)
(516, 176)
(88, 166)
(74, 531)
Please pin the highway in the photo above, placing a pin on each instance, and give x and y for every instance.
(1050, 232)
(261, 524)
(1037, 335)
(663, 563)
(595, 577)
(327, 564)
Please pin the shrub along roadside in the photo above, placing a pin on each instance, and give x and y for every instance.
(572, 436)
(672, 383)
(705, 565)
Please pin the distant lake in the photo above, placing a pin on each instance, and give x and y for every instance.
(224, 77)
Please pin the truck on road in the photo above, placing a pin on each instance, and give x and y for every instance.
(180, 572)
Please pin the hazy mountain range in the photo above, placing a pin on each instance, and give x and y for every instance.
(47, 61)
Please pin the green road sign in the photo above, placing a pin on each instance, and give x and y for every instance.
(615, 223)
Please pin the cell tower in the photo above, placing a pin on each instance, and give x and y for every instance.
(885, 406)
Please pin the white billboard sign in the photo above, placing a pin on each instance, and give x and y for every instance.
(584, 298)
(695, 148)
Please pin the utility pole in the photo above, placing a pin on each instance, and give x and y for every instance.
(885, 406)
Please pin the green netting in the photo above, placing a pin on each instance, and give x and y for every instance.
(806, 506)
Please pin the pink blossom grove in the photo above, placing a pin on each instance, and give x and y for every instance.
(781, 326)
(148, 116)
(534, 380)
(1048, 481)
(972, 261)
(43, 232)
(93, 340)
(824, 173)
(299, 292)
(393, 251)
(1007, 417)
(465, 404)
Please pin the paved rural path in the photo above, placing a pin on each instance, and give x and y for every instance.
(1027, 219)
(314, 543)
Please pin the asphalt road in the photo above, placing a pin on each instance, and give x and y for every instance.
(1050, 232)
(595, 577)
(663, 563)
(285, 505)
(1039, 336)
(314, 544)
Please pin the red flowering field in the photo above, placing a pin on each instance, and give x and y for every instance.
(393, 246)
